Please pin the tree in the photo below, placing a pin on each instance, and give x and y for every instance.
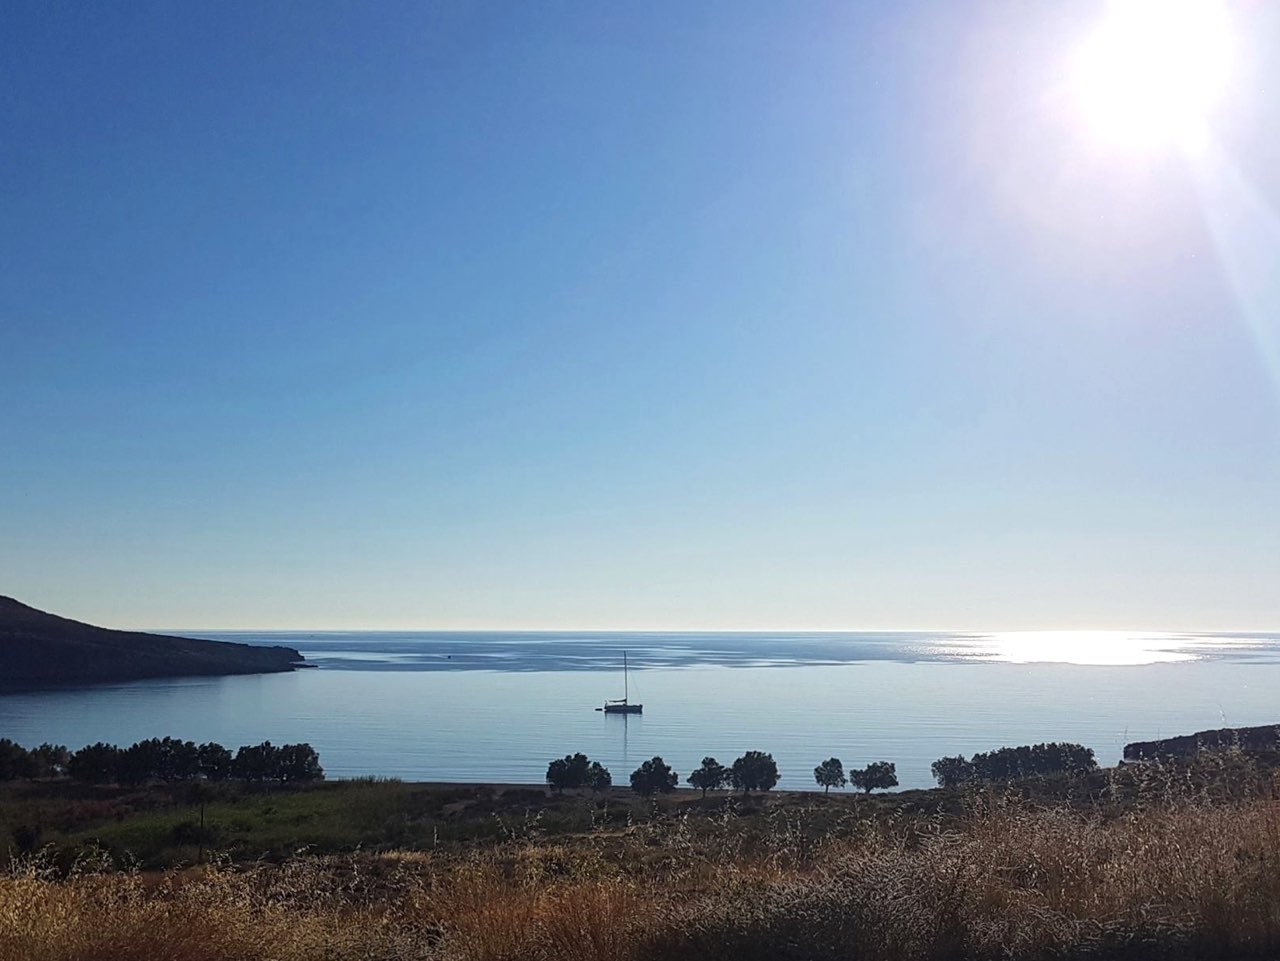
(1010, 763)
(598, 777)
(95, 763)
(881, 774)
(654, 776)
(298, 763)
(50, 760)
(255, 762)
(15, 761)
(180, 760)
(952, 771)
(215, 761)
(568, 772)
(172, 759)
(829, 774)
(558, 774)
(755, 771)
(710, 777)
(140, 762)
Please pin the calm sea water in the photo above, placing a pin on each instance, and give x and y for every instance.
(497, 706)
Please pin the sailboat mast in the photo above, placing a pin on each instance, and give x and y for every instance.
(625, 692)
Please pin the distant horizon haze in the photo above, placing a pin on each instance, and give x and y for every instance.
(480, 628)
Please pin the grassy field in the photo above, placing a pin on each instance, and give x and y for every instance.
(161, 826)
(1177, 862)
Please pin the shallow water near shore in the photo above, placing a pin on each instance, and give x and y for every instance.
(451, 706)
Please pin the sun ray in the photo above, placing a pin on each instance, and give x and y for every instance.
(1246, 236)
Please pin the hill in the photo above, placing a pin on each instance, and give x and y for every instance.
(38, 649)
(1264, 739)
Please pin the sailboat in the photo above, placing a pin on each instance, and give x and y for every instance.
(623, 706)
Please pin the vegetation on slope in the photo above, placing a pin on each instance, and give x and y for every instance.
(1187, 876)
(1177, 861)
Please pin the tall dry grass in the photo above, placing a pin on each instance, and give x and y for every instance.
(1178, 880)
(213, 915)
(1192, 880)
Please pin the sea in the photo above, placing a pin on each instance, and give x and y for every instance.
(497, 706)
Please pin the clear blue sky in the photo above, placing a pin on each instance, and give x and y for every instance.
(723, 315)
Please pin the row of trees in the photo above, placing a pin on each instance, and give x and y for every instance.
(162, 759)
(170, 759)
(757, 771)
(754, 771)
(831, 773)
(16, 762)
(1009, 763)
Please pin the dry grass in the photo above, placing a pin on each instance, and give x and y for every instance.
(1186, 879)
(216, 915)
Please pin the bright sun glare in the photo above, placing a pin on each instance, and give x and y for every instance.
(1151, 72)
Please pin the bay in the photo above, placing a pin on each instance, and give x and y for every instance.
(497, 706)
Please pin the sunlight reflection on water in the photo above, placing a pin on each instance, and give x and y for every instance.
(1085, 647)
(1105, 647)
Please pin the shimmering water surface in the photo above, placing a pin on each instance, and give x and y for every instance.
(497, 706)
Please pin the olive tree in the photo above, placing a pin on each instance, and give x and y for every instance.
(829, 774)
(568, 772)
(598, 777)
(754, 771)
(654, 776)
(711, 776)
(881, 774)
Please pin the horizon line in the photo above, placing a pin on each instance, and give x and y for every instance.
(700, 630)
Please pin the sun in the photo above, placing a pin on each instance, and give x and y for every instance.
(1150, 74)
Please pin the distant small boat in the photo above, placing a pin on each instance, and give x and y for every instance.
(622, 706)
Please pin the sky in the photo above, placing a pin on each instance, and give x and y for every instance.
(731, 315)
